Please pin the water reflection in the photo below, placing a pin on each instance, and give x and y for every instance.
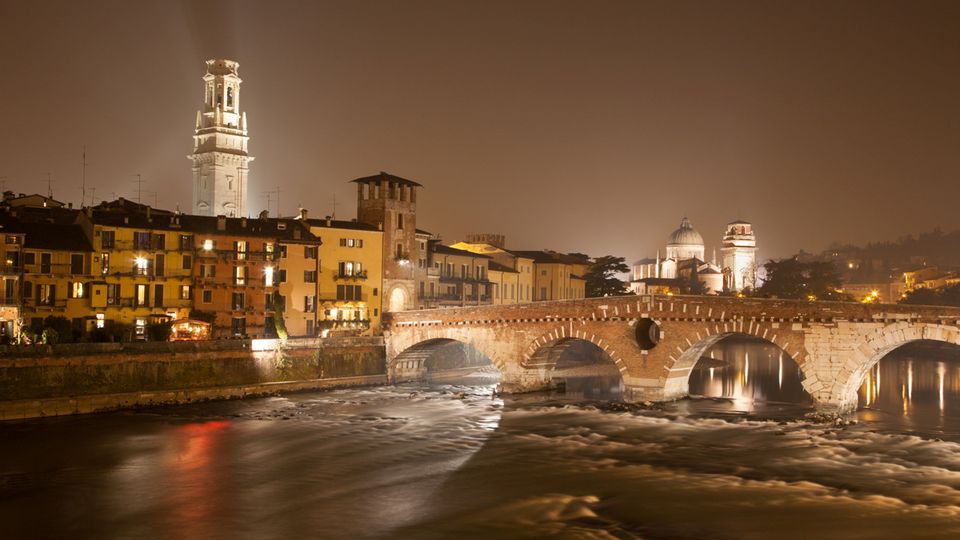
(749, 372)
(915, 388)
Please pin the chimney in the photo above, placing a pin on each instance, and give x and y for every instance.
(329, 221)
(243, 222)
(221, 223)
(303, 214)
(70, 206)
(148, 213)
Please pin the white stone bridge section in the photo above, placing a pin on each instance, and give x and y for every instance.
(833, 343)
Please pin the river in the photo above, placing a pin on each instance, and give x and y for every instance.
(458, 461)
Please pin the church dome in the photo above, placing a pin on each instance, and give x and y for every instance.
(686, 235)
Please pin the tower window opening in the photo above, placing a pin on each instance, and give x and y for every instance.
(230, 97)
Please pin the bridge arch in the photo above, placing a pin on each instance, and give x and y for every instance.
(876, 345)
(683, 359)
(432, 354)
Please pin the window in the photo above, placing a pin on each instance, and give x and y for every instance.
(282, 276)
(268, 301)
(399, 252)
(104, 263)
(113, 294)
(141, 240)
(158, 241)
(349, 293)
(108, 239)
(77, 289)
(184, 292)
(208, 270)
(309, 276)
(463, 270)
(268, 250)
(310, 330)
(283, 252)
(209, 245)
(160, 264)
(237, 302)
(238, 326)
(207, 296)
(543, 293)
(30, 258)
(309, 304)
(27, 289)
(268, 276)
(186, 242)
(142, 296)
(76, 263)
(187, 263)
(399, 221)
(240, 275)
(158, 295)
(309, 252)
(45, 263)
(229, 96)
(141, 266)
(240, 250)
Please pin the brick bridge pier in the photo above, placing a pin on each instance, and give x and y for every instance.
(655, 341)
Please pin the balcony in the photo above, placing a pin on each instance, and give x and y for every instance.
(356, 276)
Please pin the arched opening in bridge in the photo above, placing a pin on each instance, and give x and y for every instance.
(444, 361)
(916, 386)
(580, 368)
(751, 372)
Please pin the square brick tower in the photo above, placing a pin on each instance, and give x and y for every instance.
(390, 203)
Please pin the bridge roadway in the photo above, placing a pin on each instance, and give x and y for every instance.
(656, 340)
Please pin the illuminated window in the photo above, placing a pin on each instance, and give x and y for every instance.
(141, 266)
(100, 320)
(208, 245)
(268, 276)
(240, 248)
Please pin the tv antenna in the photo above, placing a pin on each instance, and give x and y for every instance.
(49, 186)
(139, 187)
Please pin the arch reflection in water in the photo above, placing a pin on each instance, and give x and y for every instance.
(584, 370)
(748, 371)
(915, 387)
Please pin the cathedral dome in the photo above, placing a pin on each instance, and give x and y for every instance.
(686, 235)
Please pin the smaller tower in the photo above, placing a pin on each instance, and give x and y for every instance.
(739, 254)
(390, 203)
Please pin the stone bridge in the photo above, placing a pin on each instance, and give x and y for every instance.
(656, 340)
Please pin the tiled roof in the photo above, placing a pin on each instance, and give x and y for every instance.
(550, 257)
(341, 224)
(495, 266)
(440, 248)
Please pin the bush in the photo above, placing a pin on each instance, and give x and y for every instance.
(62, 330)
(205, 316)
(158, 332)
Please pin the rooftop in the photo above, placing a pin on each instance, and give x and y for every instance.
(386, 177)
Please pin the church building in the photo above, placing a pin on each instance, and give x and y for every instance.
(684, 269)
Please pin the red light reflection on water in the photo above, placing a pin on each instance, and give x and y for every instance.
(193, 475)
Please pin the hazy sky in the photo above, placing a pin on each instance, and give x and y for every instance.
(580, 126)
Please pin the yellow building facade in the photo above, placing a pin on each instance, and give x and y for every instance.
(350, 279)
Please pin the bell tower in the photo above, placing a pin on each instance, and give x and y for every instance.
(220, 157)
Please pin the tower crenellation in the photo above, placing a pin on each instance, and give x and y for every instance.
(220, 156)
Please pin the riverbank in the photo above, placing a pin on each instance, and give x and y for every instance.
(84, 378)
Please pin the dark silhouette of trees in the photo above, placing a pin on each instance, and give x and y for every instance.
(791, 278)
(944, 296)
(601, 276)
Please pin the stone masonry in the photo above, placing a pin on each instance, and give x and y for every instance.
(833, 343)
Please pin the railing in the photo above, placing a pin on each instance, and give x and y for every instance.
(356, 275)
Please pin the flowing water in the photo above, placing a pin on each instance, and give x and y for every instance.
(458, 461)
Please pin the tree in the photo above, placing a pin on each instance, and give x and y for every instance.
(790, 278)
(944, 296)
(601, 276)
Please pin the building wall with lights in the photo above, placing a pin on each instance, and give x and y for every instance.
(350, 283)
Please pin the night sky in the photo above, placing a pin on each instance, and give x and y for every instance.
(576, 126)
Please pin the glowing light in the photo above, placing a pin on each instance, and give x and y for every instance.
(811, 297)
(941, 371)
(260, 345)
(207, 245)
(746, 368)
(850, 265)
(910, 380)
(268, 276)
(141, 263)
(780, 372)
(100, 320)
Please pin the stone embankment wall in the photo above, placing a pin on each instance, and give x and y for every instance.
(79, 378)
